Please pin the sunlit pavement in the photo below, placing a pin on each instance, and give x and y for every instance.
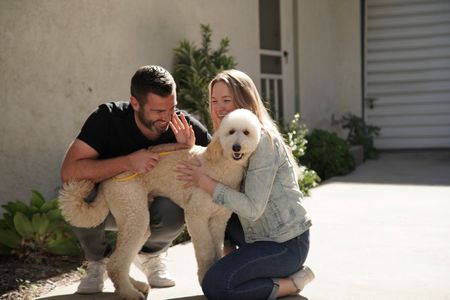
(382, 232)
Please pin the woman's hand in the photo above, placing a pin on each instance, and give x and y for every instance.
(182, 130)
(194, 176)
(190, 174)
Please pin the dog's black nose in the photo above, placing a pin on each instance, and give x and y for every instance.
(236, 147)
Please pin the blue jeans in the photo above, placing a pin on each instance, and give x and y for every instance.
(253, 270)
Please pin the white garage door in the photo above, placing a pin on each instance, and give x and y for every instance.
(407, 72)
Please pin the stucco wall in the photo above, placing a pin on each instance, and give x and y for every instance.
(329, 61)
(60, 59)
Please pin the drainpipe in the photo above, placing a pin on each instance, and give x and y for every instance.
(362, 3)
(296, 58)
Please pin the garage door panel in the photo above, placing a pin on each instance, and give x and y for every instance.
(409, 32)
(408, 88)
(412, 54)
(426, 42)
(407, 72)
(408, 21)
(409, 99)
(409, 76)
(415, 109)
(397, 9)
(412, 143)
(403, 120)
(417, 132)
(399, 2)
(411, 65)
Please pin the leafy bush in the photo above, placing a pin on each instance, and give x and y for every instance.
(327, 154)
(195, 67)
(31, 231)
(294, 135)
(361, 134)
(309, 180)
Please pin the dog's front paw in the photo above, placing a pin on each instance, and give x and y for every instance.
(131, 294)
(140, 286)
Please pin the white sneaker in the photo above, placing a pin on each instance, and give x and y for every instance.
(155, 269)
(92, 282)
(302, 278)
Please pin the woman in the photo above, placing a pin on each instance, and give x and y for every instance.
(269, 224)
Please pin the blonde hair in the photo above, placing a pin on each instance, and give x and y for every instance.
(245, 95)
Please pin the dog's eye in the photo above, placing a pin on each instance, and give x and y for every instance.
(232, 131)
(246, 132)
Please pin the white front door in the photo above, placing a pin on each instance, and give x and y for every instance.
(407, 72)
(277, 57)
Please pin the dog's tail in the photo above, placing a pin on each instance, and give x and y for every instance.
(76, 210)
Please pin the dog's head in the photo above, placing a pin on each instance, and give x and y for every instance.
(239, 134)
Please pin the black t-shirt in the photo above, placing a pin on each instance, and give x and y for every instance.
(112, 131)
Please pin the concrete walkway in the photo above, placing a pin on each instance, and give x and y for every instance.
(382, 232)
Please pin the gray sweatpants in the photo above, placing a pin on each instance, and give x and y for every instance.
(166, 223)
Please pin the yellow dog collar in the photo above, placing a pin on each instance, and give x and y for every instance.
(121, 179)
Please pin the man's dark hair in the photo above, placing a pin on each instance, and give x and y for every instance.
(151, 79)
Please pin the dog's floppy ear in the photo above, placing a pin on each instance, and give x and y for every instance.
(214, 150)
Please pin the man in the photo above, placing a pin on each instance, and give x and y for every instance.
(113, 140)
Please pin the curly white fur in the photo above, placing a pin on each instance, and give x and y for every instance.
(224, 160)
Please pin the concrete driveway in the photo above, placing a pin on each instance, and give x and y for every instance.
(382, 232)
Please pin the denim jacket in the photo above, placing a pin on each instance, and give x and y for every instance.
(270, 204)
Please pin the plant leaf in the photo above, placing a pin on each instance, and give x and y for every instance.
(37, 200)
(64, 247)
(4, 224)
(40, 223)
(54, 215)
(9, 238)
(9, 220)
(23, 225)
(14, 207)
(4, 250)
(48, 205)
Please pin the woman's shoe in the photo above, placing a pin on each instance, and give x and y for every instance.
(302, 277)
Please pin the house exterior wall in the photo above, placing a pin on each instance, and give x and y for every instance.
(60, 59)
(329, 44)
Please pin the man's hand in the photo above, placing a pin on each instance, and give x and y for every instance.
(142, 161)
(182, 130)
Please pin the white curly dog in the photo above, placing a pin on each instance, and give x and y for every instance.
(224, 160)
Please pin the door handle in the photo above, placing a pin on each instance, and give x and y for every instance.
(370, 101)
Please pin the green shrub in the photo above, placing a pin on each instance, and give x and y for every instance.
(294, 134)
(359, 133)
(31, 231)
(327, 154)
(309, 180)
(195, 67)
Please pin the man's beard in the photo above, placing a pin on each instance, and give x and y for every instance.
(151, 124)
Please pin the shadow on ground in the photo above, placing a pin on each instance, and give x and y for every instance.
(199, 297)
(113, 296)
(413, 167)
(297, 297)
(99, 296)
